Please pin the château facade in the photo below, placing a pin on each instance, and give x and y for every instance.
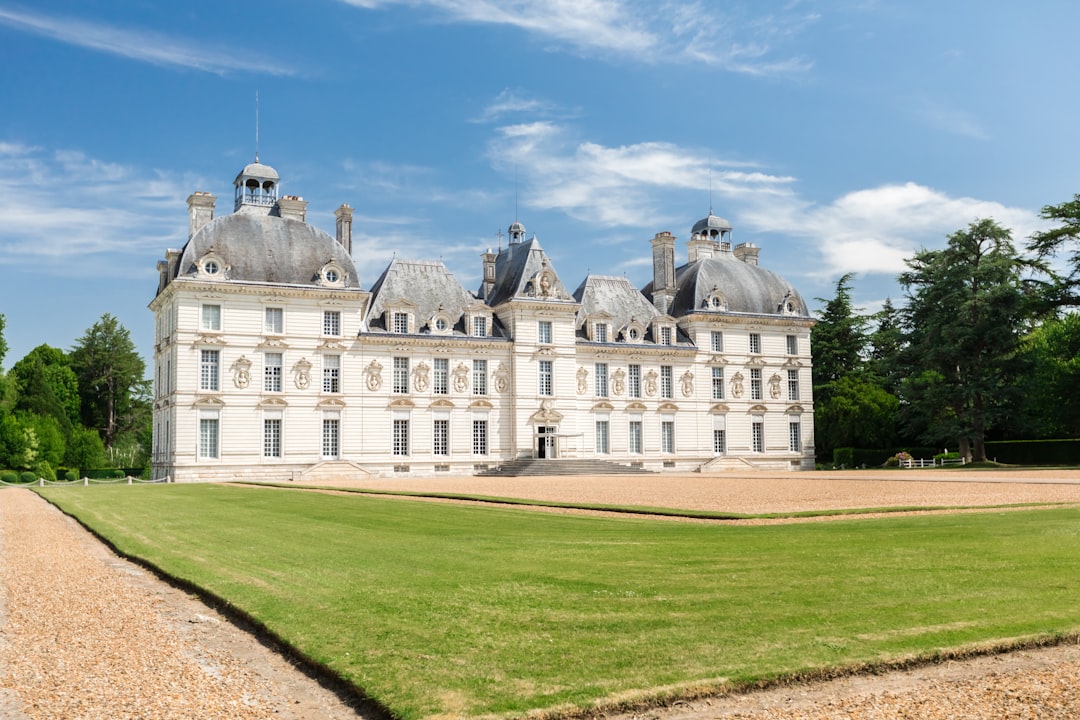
(272, 362)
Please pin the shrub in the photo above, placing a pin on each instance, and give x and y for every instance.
(44, 470)
(9, 476)
(843, 457)
(27, 478)
(1034, 452)
(103, 473)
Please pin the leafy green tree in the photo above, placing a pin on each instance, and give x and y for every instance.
(1051, 402)
(18, 444)
(857, 413)
(3, 342)
(110, 376)
(965, 317)
(839, 337)
(47, 385)
(886, 342)
(1063, 290)
(85, 450)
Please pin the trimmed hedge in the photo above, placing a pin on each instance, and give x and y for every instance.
(875, 457)
(104, 473)
(1034, 452)
(27, 477)
(9, 476)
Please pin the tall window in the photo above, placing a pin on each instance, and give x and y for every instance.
(208, 437)
(401, 322)
(665, 336)
(757, 435)
(401, 374)
(601, 380)
(718, 383)
(719, 441)
(635, 437)
(633, 381)
(274, 320)
(602, 437)
(755, 343)
(331, 322)
(331, 374)
(665, 381)
(543, 332)
(210, 370)
(440, 383)
(717, 341)
(600, 332)
(793, 384)
(792, 345)
(755, 384)
(272, 437)
(480, 437)
(440, 441)
(479, 377)
(401, 437)
(330, 429)
(544, 378)
(667, 436)
(272, 372)
(479, 326)
(794, 439)
(211, 317)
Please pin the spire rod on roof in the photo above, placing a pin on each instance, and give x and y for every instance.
(256, 126)
(710, 187)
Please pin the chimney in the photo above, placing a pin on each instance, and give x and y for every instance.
(747, 253)
(200, 211)
(701, 247)
(292, 207)
(344, 226)
(663, 263)
(488, 283)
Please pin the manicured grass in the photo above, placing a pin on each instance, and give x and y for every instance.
(440, 609)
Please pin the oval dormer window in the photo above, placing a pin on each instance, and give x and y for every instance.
(332, 275)
(633, 333)
(440, 324)
(211, 267)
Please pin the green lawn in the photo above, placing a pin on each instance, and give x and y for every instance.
(438, 609)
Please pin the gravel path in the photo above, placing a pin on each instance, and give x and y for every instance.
(85, 635)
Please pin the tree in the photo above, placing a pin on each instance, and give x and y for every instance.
(839, 337)
(856, 413)
(965, 318)
(109, 371)
(47, 385)
(1051, 403)
(886, 342)
(1063, 289)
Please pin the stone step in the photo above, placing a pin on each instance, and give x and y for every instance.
(562, 466)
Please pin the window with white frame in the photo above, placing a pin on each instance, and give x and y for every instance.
(480, 437)
(331, 448)
(331, 322)
(717, 341)
(635, 437)
(440, 381)
(401, 322)
(272, 437)
(401, 375)
(209, 370)
(755, 343)
(666, 390)
(666, 335)
(401, 437)
(479, 377)
(440, 437)
(211, 317)
(208, 438)
(601, 377)
(331, 374)
(792, 345)
(274, 320)
(603, 446)
(667, 436)
(600, 332)
(755, 384)
(757, 435)
(544, 378)
(633, 381)
(794, 436)
(719, 441)
(718, 383)
(479, 326)
(543, 332)
(793, 384)
(272, 372)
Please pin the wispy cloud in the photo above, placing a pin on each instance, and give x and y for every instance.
(517, 102)
(645, 30)
(950, 120)
(139, 44)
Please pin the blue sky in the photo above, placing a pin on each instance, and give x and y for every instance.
(839, 136)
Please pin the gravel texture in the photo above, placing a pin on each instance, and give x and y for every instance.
(84, 634)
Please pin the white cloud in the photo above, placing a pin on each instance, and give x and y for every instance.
(950, 120)
(142, 45)
(645, 30)
(515, 102)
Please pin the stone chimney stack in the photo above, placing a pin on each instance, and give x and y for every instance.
(663, 263)
(344, 226)
(701, 247)
(292, 207)
(488, 283)
(747, 253)
(200, 211)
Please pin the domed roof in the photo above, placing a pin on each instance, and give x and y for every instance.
(259, 171)
(267, 249)
(737, 286)
(712, 222)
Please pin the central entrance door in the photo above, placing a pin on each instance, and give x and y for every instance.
(545, 442)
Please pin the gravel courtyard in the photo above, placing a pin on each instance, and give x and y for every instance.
(84, 634)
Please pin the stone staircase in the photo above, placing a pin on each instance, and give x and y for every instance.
(562, 466)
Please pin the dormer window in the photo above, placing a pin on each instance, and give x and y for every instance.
(666, 335)
(401, 323)
(331, 274)
(479, 326)
(600, 332)
(634, 332)
(210, 267)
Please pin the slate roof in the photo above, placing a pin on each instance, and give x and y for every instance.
(615, 296)
(515, 267)
(267, 249)
(746, 288)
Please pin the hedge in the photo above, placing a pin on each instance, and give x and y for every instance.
(875, 457)
(1034, 452)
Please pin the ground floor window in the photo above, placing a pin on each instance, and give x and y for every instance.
(331, 448)
(602, 437)
(401, 437)
(208, 438)
(480, 437)
(635, 437)
(719, 442)
(272, 437)
(794, 436)
(441, 438)
(667, 436)
(757, 436)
